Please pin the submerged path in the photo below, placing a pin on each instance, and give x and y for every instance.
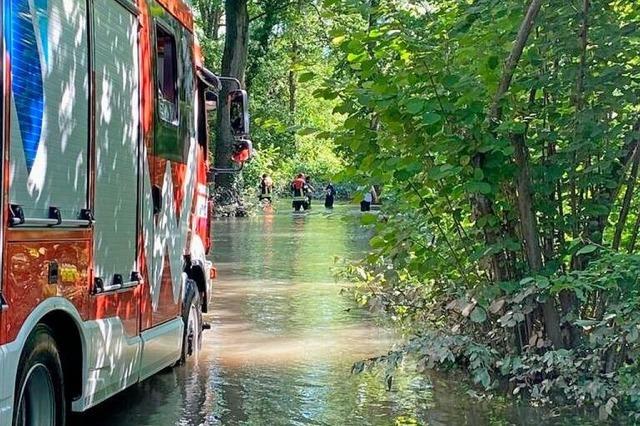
(283, 340)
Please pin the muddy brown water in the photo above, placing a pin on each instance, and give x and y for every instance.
(283, 340)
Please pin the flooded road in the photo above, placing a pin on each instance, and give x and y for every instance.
(283, 340)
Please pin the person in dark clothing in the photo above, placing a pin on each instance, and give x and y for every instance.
(299, 195)
(330, 193)
(308, 190)
(266, 187)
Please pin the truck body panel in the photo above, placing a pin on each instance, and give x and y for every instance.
(105, 206)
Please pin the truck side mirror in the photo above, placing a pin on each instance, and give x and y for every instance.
(239, 112)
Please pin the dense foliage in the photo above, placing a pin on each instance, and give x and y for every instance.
(285, 52)
(506, 135)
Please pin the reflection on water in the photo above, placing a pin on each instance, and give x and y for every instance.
(283, 341)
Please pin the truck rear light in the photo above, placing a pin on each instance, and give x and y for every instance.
(213, 273)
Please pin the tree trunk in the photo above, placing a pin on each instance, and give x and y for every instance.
(579, 105)
(626, 202)
(607, 196)
(482, 205)
(234, 60)
(528, 221)
(514, 57)
(525, 203)
(584, 42)
(293, 83)
(529, 226)
(210, 14)
(215, 25)
(634, 235)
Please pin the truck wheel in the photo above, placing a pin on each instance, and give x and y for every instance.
(192, 318)
(40, 398)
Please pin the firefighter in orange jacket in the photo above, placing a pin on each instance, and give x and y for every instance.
(299, 194)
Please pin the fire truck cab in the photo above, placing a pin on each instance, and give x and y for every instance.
(104, 204)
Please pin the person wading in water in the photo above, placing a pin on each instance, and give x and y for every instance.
(299, 194)
(369, 197)
(308, 190)
(330, 193)
(266, 188)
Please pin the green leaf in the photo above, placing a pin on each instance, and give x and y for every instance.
(324, 135)
(508, 150)
(402, 174)
(585, 323)
(431, 118)
(586, 250)
(415, 106)
(377, 242)
(354, 57)
(306, 131)
(336, 41)
(482, 377)
(477, 187)
(442, 171)
(526, 280)
(543, 282)
(307, 76)
(478, 315)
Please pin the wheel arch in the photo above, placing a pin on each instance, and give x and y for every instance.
(197, 269)
(68, 337)
(197, 274)
(56, 312)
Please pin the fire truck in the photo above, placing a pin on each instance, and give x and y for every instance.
(105, 217)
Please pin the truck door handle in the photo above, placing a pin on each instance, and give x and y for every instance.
(156, 193)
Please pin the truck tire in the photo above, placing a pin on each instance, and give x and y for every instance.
(192, 319)
(40, 396)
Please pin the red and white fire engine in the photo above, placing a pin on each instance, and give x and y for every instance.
(105, 211)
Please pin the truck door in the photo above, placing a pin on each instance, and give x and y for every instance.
(115, 298)
(117, 118)
(172, 165)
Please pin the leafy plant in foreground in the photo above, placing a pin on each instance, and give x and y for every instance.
(506, 136)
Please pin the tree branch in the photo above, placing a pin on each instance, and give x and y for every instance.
(271, 10)
(628, 195)
(514, 58)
